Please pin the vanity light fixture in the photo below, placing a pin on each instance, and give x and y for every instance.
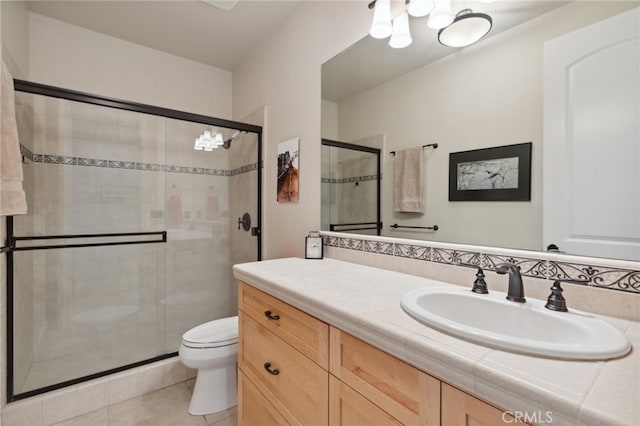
(401, 36)
(420, 8)
(467, 28)
(441, 15)
(381, 26)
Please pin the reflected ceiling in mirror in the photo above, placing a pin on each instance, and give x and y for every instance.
(371, 62)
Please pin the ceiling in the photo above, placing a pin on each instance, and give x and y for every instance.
(222, 38)
(192, 29)
(371, 62)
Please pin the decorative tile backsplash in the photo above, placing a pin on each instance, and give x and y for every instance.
(131, 165)
(594, 272)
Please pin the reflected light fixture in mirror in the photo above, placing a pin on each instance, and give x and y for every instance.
(441, 15)
(401, 36)
(420, 8)
(467, 28)
(381, 26)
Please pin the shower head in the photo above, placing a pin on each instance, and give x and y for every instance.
(227, 143)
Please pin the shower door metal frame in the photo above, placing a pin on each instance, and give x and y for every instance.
(377, 225)
(11, 242)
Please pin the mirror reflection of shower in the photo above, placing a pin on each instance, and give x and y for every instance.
(351, 186)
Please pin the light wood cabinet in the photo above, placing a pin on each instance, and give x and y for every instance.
(461, 409)
(302, 331)
(296, 370)
(408, 394)
(348, 407)
(253, 407)
(294, 384)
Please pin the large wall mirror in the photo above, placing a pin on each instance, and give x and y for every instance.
(500, 92)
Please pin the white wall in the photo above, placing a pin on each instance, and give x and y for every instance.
(15, 37)
(329, 120)
(72, 57)
(284, 75)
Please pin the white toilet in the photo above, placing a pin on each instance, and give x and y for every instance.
(212, 349)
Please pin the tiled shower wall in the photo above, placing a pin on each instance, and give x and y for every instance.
(609, 287)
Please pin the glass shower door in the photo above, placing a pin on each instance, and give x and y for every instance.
(88, 259)
(131, 234)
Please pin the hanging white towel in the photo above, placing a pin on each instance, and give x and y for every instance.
(408, 178)
(12, 197)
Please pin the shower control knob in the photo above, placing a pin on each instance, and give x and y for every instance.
(245, 221)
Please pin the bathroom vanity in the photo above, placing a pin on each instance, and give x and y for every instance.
(326, 342)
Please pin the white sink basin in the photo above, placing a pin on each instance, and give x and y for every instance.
(528, 328)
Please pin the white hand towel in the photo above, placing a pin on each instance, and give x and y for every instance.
(12, 196)
(408, 178)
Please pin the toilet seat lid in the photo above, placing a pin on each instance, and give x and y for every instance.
(221, 331)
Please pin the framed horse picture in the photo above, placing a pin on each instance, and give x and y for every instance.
(288, 171)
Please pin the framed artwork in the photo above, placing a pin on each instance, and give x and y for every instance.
(288, 171)
(501, 173)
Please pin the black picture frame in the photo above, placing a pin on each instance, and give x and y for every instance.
(507, 168)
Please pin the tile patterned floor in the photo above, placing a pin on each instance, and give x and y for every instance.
(165, 407)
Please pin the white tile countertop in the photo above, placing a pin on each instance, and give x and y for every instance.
(365, 302)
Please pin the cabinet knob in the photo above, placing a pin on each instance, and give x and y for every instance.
(274, 371)
(269, 315)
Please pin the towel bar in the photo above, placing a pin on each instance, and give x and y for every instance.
(432, 228)
(429, 145)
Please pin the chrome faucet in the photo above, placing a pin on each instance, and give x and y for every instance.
(516, 289)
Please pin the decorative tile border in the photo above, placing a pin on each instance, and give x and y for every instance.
(601, 273)
(534, 268)
(130, 165)
(354, 179)
(617, 279)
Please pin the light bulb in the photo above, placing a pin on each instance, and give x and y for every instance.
(401, 36)
(217, 140)
(420, 8)
(199, 146)
(441, 15)
(381, 26)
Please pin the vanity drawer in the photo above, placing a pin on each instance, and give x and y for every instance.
(296, 386)
(347, 407)
(403, 391)
(462, 409)
(302, 331)
(253, 407)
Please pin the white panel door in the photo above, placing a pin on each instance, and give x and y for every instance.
(592, 139)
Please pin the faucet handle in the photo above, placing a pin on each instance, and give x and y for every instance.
(503, 268)
(479, 285)
(556, 301)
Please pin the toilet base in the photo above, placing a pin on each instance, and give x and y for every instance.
(215, 390)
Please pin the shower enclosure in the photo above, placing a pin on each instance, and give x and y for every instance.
(350, 188)
(130, 237)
